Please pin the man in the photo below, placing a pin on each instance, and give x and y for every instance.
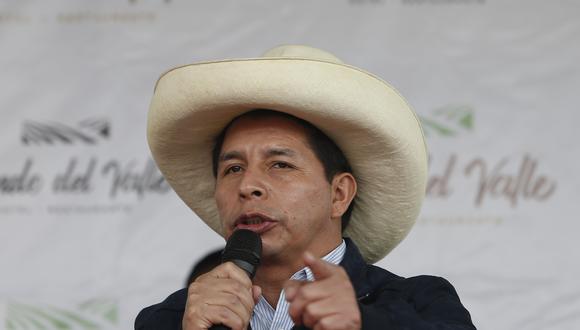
(338, 152)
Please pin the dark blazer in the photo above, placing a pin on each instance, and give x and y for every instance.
(386, 301)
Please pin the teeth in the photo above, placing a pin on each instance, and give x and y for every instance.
(254, 221)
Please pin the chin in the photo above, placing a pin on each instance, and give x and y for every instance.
(269, 252)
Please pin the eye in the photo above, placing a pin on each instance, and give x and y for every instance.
(281, 165)
(232, 169)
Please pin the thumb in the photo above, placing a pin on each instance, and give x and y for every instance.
(320, 268)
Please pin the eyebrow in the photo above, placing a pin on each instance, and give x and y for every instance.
(280, 152)
(269, 153)
(230, 155)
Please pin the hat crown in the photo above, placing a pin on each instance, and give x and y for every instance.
(301, 51)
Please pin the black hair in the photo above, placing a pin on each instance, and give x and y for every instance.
(204, 265)
(328, 153)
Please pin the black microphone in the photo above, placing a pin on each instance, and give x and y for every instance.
(244, 249)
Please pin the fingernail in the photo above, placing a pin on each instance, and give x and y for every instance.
(290, 292)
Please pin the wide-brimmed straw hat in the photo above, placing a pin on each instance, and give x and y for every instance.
(368, 119)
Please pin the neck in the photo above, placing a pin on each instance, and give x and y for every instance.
(271, 278)
(273, 273)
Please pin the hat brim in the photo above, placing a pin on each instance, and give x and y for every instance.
(373, 125)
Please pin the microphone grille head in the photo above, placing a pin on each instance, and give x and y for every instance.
(244, 247)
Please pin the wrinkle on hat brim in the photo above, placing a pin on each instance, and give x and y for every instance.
(373, 125)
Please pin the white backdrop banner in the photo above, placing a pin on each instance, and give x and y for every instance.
(90, 233)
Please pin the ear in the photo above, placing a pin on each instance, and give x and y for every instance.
(343, 191)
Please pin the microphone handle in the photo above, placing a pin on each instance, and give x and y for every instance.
(249, 269)
(244, 249)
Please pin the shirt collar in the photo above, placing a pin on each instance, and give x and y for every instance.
(334, 257)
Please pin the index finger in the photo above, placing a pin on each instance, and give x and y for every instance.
(231, 271)
(320, 268)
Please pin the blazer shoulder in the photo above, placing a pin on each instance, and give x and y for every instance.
(164, 315)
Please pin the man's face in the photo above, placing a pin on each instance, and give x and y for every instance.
(270, 181)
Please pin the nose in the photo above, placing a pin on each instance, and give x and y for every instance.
(251, 187)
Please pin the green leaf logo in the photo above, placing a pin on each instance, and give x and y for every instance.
(449, 121)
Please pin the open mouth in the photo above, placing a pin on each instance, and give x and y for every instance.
(255, 222)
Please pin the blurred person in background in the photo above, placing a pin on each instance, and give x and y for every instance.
(204, 265)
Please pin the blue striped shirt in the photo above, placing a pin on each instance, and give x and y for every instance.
(265, 317)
